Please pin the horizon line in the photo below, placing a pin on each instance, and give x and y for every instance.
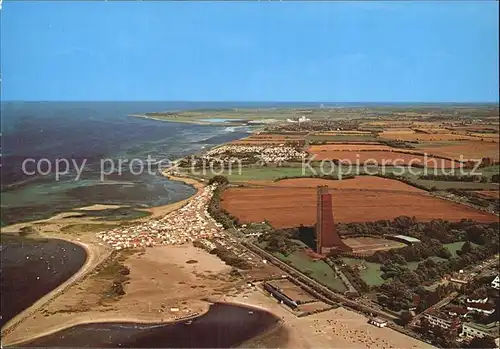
(252, 101)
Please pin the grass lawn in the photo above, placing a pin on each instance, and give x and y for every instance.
(371, 275)
(318, 270)
(414, 265)
(454, 247)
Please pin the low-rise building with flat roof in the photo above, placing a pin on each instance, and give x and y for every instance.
(442, 320)
(404, 239)
(474, 330)
(376, 321)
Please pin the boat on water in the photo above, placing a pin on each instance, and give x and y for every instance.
(250, 312)
(189, 322)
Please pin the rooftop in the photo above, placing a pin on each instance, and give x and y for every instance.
(407, 238)
(491, 328)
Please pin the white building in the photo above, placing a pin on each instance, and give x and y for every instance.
(478, 300)
(496, 283)
(472, 330)
(485, 308)
(440, 321)
(378, 322)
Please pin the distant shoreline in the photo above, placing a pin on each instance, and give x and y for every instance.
(143, 116)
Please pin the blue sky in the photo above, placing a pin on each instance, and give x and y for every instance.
(250, 51)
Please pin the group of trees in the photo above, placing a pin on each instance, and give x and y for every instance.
(230, 258)
(412, 253)
(279, 241)
(454, 178)
(495, 178)
(430, 270)
(395, 295)
(398, 144)
(214, 206)
(443, 231)
(327, 177)
(474, 198)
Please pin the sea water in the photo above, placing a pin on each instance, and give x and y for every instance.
(94, 131)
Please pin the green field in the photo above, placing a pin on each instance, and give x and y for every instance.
(490, 171)
(316, 269)
(260, 173)
(442, 185)
(272, 173)
(371, 275)
(414, 174)
(343, 137)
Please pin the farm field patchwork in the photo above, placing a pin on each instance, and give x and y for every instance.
(473, 149)
(293, 206)
(418, 136)
(388, 158)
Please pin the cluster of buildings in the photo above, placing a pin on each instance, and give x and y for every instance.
(266, 153)
(458, 318)
(303, 118)
(189, 223)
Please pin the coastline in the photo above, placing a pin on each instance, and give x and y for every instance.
(106, 319)
(198, 122)
(96, 253)
(131, 320)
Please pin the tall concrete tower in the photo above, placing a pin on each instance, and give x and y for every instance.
(327, 238)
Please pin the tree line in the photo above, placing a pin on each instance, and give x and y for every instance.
(453, 178)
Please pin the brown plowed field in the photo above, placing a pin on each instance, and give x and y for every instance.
(469, 150)
(414, 136)
(293, 206)
(388, 158)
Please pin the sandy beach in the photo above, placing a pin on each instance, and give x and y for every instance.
(336, 328)
(97, 252)
(162, 287)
